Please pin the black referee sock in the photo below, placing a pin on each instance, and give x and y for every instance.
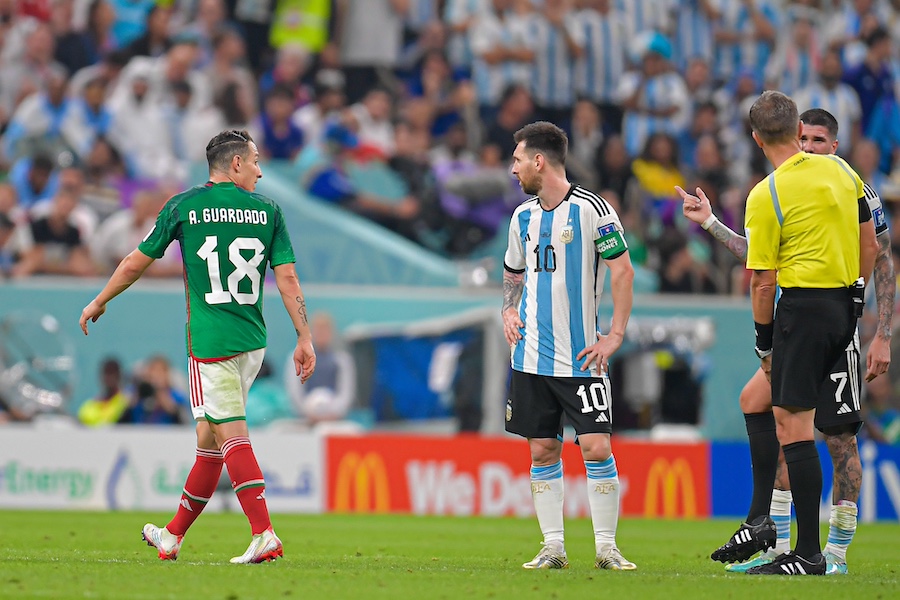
(805, 471)
(764, 458)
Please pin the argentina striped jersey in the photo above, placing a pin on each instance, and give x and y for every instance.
(559, 253)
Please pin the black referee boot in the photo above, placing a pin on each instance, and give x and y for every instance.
(749, 539)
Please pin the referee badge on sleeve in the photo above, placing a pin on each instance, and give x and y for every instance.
(567, 234)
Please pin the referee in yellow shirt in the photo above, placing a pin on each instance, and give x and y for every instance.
(801, 223)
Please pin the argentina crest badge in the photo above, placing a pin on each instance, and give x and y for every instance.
(567, 234)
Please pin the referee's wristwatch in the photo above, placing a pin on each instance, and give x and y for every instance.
(762, 353)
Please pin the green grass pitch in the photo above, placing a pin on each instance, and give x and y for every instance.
(100, 555)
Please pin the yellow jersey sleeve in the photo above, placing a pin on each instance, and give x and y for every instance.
(763, 228)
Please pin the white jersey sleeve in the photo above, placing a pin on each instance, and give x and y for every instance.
(876, 207)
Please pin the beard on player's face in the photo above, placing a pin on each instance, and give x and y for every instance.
(531, 184)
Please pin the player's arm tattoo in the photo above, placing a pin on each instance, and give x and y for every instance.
(513, 284)
(735, 243)
(301, 310)
(885, 286)
(847, 467)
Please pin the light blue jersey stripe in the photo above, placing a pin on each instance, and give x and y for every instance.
(574, 268)
(546, 339)
(519, 352)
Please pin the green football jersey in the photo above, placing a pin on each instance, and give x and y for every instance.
(227, 237)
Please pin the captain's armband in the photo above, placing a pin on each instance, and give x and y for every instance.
(611, 242)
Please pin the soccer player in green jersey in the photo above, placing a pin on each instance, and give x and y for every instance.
(228, 235)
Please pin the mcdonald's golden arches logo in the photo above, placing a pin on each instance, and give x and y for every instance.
(663, 483)
(362, 484)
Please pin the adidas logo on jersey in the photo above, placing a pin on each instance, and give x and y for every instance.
(602, 418)
(844, 409)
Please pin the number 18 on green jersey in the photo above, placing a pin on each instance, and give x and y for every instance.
(227, 236)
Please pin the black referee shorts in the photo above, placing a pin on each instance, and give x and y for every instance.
(813, 327)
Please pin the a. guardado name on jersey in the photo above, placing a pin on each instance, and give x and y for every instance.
(229, 215)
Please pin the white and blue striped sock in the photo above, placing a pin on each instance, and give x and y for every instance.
(547, 491)
(603, 497)
(780, 511)
(842, 526)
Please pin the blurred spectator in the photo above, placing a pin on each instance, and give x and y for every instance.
(83, 216)
(502, 52)
(654, 97)
(874, 84)
(43, 122)
(211, 16)
(77, 49)
(602, 64)
(882, 410)
(267, 400)
(704, 121)
(678, 272)
(584, 143)
(189, 124)
(302, 23)
(122, 232)
(412, 164)
(90, 117)
(797, 57)
(558, 42)
(830, 93)
(34, 179)
(108, 69)
(328, 100)
(238, 109)
(104, 176)
(373, 119)
(112, 401)
(140, 130)
(15, 239)
(329, 393)
(847, 26)
(745, 35)
(281, 138)
(178, 64)
(865, 159)
(253, 19)
(31, 72)
(291, 66)
(692, 31)
(229, 53)
(460, 17)
(58, 248)
(657, 173)
(156, 39)
(516, 109)
(370, 36)
(131, 19)
(434, 82)
(645, 15)
(156, 401)
(613, 167)
(323, 172)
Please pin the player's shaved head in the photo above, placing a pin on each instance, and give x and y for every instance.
(225, 146)
(774, 118)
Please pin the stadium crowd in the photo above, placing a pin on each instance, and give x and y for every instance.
(403, 111)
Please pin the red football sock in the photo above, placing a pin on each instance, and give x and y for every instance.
(247, 481)
(198, 489)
